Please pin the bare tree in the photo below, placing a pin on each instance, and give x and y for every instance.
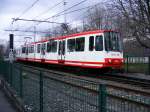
(95, 17)
(137, 16)
(1, 51)
(102, 17)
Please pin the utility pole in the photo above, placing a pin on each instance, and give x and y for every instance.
(53, 27)
(65, 3)
(64, 25)
(34, 40)
(34, 33)
(83, 25)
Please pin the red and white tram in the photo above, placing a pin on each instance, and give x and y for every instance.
(92, 49)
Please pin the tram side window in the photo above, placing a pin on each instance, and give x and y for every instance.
(80, 42)
(32, 49)
(54, 46)
(108, 41)
(71, 45)
(99, 43)
(38, 48)
(91, 43)
(23, 49)
(29, 49)
(43, 48)
(48, 46)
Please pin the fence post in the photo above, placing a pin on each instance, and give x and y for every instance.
(21, 82)
(1, 73)
(102, 98)
(41, 91)
(10, 74)
(149, 65)
(127, 64)
(7, 71)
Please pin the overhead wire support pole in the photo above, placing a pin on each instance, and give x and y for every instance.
(34, 38)
(34, 33)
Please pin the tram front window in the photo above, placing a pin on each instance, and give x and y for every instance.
(112, 42)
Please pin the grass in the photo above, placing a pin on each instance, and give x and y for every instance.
(137, 67)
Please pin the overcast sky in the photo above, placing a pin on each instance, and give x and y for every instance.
(14, 8)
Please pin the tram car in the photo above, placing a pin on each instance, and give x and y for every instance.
(91, 49)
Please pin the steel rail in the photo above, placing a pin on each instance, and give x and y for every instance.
(128, 80)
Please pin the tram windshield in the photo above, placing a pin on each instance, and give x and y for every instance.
(112, 41)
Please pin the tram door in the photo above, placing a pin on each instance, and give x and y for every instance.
(61, 52)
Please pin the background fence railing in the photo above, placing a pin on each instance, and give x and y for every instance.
(43, 91)
(137, 64)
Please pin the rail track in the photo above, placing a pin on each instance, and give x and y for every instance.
(145, 84)
(106, 77)
(109, 79)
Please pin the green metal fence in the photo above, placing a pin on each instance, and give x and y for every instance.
(43, 91)
(137, 64)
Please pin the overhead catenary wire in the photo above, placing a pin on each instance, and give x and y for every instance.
(44, 12)
(84, 8)
(50, 8)
(68, 12)
(66, 9)
(80, 9)
(26, 10)
(61, 12)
